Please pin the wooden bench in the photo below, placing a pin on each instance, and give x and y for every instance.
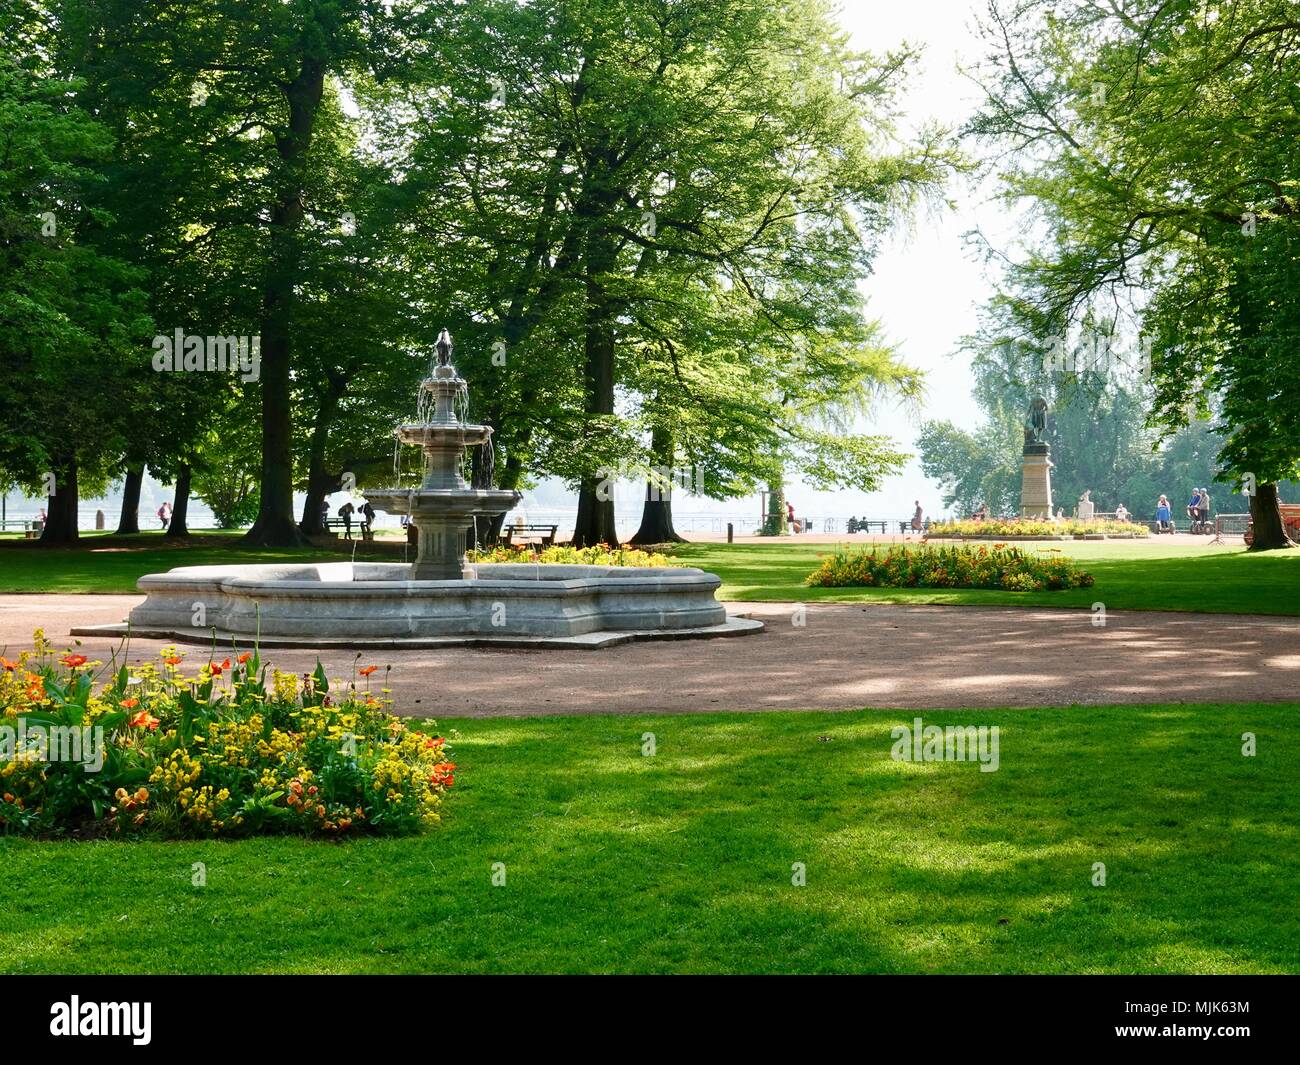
(906, 526)
(518, 533)
(864, 526)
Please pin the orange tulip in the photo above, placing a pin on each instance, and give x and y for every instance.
(144, 719)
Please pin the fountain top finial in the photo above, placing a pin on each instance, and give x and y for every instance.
(444, 348)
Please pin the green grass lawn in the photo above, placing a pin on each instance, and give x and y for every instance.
(1129, 577)
(682, 861)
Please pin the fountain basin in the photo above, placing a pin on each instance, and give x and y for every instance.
(344, 604)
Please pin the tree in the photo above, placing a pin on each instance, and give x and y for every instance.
(1151, 139)
(660, 219)
(70, 317)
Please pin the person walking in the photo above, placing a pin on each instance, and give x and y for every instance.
(164, 514)
(368, 521)
(918, 517)
(345, 512)
(325, 515)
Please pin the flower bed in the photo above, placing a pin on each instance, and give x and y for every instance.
(580, 556)
(999, 566)
(1031, 527)
(229, 751)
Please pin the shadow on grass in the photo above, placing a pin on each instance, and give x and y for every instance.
(683, 861)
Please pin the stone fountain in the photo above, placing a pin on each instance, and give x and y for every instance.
(444, 507)
(439, 599)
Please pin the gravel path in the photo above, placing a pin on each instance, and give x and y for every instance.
(842, 656)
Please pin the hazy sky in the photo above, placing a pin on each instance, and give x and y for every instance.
(927, 286)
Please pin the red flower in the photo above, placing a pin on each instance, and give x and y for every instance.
(365, 671)
(73, 661)
(216, 670)
(173, 660)
(144, 719)
(9, 666)
(244, 657)
(130, 704)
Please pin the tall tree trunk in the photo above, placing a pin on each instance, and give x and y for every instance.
(128, 523)
(594, 524)
(177, 529)
(61, 507)
(1268, 531)
(657, 512)
(275, 525)
(320, 482)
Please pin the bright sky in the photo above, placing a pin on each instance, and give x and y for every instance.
(927, 286)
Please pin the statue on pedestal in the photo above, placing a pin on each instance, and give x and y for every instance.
(1036, 425)
(1036, 466)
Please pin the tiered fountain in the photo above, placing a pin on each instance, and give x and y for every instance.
(444, 507)
(439, 599)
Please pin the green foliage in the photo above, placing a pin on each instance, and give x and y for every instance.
(222, 753)
(1151, 144)
(999, 566)
(1099, 444)
(71, 317)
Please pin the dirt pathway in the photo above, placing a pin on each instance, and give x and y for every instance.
(834, 656)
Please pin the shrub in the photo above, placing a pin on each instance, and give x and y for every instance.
(1036, 527)
(226, 752)
(580, 556)
(967, 566)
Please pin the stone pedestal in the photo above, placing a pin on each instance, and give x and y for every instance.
(441, 554)
(1036, 482)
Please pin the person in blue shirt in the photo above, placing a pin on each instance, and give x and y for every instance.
(1163, 516)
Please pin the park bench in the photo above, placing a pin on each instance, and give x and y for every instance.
(544, 535)
(30, 527)
(358, 523)
(856, 526)
(906, 526)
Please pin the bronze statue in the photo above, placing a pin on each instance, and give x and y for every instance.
(1036, 421)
